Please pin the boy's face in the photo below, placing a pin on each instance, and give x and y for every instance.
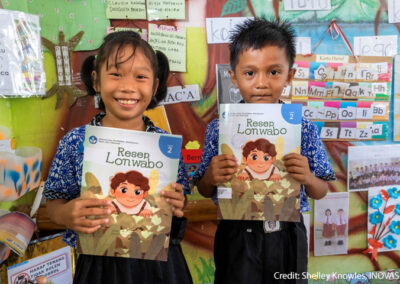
(128, 194)
(261, 74)
(259, 161)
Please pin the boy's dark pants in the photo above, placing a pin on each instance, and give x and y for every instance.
(244, 253)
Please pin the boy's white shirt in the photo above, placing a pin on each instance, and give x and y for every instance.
(337, 220)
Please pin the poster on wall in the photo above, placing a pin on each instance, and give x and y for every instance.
(21, 63)
(396, 100)
(347, 99)
(331, 224)
(383, 220)
(373, 167)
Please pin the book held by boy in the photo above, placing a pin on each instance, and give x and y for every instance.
(130, 168)
(259, 135)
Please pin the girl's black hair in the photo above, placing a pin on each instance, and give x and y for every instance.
(117, 40)
(258, 33)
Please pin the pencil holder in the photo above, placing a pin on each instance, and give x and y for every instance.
(20, 172)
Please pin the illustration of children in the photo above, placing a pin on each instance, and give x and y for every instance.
(328, 227)
(129, 191)
(191, 172)
(259, 156)
(340, 226)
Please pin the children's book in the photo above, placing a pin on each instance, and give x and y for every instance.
(130, 168)
(259, 135)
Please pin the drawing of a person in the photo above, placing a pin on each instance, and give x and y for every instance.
(259, 156)
(328, 227)
(191, 172)
(129, 191)
(340, 226)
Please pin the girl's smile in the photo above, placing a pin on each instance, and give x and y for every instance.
(126, 87)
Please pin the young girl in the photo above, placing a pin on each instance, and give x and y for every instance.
(130, 78)
(328, 229)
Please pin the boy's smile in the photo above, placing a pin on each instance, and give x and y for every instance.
(261, 74)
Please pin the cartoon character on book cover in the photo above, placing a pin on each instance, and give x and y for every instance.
(259, 137)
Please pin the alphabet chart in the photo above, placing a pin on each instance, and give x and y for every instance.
(346, 99)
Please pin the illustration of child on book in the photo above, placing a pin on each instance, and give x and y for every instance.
(259, 156)
(129, 191)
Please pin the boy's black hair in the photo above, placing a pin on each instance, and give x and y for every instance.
(258, 33)
(116, 41)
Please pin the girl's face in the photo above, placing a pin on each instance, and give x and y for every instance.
(128, 194)
(328, 213)
(127, 90)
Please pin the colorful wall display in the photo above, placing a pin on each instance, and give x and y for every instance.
(348, 98)
(356, 17)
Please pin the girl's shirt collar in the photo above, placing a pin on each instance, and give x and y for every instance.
(147, 122)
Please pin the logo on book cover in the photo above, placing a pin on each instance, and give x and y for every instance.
(93, 139)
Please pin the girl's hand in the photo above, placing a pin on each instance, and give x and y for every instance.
(74, 214)
(221, 169)
(176, 199)
(297, 167)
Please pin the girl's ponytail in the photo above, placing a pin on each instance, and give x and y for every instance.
(162, 75)
(88, 66)
(86, 74)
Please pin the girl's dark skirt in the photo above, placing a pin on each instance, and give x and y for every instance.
(108, 270)
(244, 253)
(328, 231)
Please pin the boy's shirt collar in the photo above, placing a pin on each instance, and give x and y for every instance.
(96, 121)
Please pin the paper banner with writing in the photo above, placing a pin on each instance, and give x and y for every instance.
(166, 10)
(122, 9)
(172, 41)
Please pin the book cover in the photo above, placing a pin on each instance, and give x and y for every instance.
(130, 168)
(259, 135)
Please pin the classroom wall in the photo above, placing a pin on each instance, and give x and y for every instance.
(36, 122)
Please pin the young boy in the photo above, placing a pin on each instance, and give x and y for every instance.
(262, 55)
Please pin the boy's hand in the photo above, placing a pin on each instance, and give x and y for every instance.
(221, 169)
(297, 166)
(176, 199)
(74, 214)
